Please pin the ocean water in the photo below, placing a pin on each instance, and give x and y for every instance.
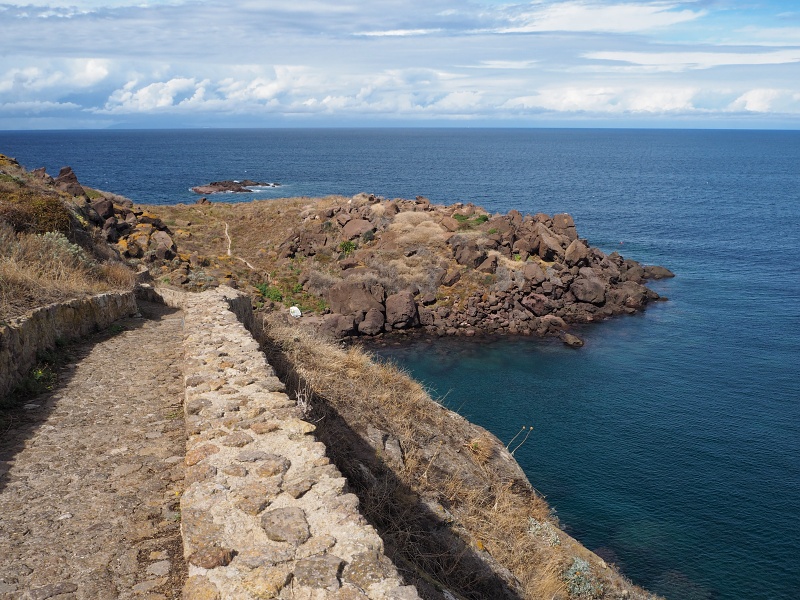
(670, 443)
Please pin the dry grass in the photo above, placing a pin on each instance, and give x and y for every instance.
(38, 269)
(33, 211)
(455, 513)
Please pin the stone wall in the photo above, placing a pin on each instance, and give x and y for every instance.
(264, 512)
(21, 340)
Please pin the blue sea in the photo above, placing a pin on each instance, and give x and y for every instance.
(670, 443)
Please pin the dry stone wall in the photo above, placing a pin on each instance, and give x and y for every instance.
(22, 339)
(264, 512)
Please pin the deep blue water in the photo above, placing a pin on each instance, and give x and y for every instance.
(671, 442)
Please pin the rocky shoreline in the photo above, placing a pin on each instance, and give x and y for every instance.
(514, 274)
(367, 266)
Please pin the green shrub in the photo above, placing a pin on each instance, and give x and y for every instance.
(466, 222)
(581, 583)
(29, 212)
(270, 292)
(347, 247)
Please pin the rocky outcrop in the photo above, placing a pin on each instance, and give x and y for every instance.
(231, 187)
(67, 182)
(514, 273)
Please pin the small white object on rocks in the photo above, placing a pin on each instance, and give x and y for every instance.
(295, 312)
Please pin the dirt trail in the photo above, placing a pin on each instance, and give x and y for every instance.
(91, 473)
(230, 243)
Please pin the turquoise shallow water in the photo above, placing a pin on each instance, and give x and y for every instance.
(671, 442)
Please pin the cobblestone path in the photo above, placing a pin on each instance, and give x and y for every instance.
(91, 473)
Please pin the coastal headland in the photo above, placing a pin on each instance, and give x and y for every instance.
(369, 266)
(456, 515)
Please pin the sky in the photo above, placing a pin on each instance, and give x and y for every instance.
(342, 63)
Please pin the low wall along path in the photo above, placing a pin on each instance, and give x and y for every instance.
(90, 495)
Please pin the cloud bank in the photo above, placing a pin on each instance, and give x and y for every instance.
(248, 63)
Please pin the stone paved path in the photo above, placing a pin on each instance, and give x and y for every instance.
(90, 479)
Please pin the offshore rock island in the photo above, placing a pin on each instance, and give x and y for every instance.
(230, 186)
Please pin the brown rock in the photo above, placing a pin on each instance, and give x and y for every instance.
(466, 251)
(163, 245)
(286, 525)
(572, 340)
(267, 582)
(590, 290)
(367, 568)
(426, 316)
(237, 440)
(198, 587)
(52, 589)
(273, 465)
(298, 487)
(656, 272)
(563, 224)
(265, 427)
(235, 470)
(319, 572)
(372, 323)
(356, 228)
(67, 182)
(489, 265)
(534, 273)
(258, 555)
(211, 557)
(42, 175)
(349, 297)
(198, 473)
(449, 223)
(104, 208)
(198, 453)
(401, 310)
(550, 247)
(255, 497)
(452, 277)
(338, 325)
(576, 253)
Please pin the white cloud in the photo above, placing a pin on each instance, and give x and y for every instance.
(399, 32)
(759, 100)
(505, 64)
(458, 102)
(62, 74)
(610, 100)
(89, 72)
(765, 36)
(410, 59)
(159, 95)
(680, 61)
(36, 107)
(599, 17)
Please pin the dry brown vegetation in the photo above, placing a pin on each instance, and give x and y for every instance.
(40, 261)
(455, 510)
(409, 249)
